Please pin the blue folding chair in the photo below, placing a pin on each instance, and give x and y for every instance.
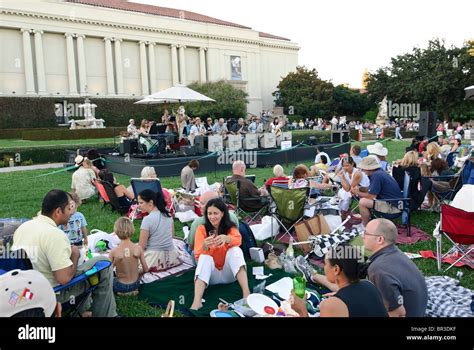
(140, 185)
(19, 260)
(403, 205)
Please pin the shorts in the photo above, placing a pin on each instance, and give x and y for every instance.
(385, 207)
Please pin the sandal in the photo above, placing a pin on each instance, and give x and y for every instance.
(169, 309)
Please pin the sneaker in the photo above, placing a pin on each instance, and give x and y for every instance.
(305, 268)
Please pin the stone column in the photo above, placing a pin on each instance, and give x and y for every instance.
(109, 64)
(71, 64)
(81, 62)
(202, 65)
(28, 62)
(151, 60)
(174, 65)
(41, 76)
(182, 65)
(119, 66)
(144, 68)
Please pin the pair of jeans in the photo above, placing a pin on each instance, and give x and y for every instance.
(120, 287)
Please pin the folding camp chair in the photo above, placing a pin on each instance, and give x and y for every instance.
(403, 205)
(139, 185)
(457, 226)
(113, 199)
(102, 193)
(18, 259)
(463, 177)
(289, 206)
(233, 189)
(226, 195)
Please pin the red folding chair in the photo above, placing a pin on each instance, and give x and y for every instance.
(457, 226)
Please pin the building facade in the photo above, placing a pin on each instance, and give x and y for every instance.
(119, 49)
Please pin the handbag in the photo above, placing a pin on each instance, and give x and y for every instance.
(314, 226)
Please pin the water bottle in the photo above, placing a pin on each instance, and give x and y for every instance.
(290, 252)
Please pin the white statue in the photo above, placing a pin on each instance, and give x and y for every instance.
(383, 107)
(89, 109)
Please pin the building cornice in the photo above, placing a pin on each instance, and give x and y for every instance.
(59, 18)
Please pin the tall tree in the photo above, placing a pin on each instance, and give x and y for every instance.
(434, 77)
(304, 93)
(230, 101)
(350, 102)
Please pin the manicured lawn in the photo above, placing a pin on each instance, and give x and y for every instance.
(19, 144)
(22, 192)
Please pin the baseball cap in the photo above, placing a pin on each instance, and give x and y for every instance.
(369, 163)
(22, 290)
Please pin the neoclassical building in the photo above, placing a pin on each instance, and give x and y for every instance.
(120, 49)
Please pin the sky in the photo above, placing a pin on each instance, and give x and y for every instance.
(342, 38)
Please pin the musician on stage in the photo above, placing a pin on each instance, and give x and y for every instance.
(132, 132)
(253, 126)
(144, 128)
(196, 130)
(220, 129)
(259, 126)
(239, 128)
(165, 118)
(181, 123)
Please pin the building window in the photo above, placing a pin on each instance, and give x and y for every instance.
(236, 68)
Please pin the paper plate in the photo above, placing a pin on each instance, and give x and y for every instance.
(262, 304)
(221, 314)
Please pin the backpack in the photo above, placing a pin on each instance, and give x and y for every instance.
(248, 239)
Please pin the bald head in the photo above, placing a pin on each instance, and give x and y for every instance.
(378, 229)
(206, 197)
(238, 168)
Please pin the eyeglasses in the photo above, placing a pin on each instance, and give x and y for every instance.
(370, 234)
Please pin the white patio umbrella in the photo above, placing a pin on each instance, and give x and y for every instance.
(175, 94)
(469, 92)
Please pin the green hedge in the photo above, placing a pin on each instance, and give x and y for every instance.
(66, 134)
(304, 136)
(389, 133)
(39, 112)
(28, 156)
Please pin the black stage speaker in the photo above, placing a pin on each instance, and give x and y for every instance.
(340, 136)
(188, 150)
(427, 124)
(199, 144)
(129, 147)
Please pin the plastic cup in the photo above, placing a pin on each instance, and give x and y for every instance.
(299, 286)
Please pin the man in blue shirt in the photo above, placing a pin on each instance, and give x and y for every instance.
(382, 186)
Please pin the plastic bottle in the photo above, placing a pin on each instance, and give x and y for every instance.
(290, 252)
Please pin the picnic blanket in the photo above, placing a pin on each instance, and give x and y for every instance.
(186, 258)
(451, 258)
(181, 290)
(417, 235)
(446, 298)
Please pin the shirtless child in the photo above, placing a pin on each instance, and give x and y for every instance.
(126, 258)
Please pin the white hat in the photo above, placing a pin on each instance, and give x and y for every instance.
(78, 160)
(22, 290)
(458, 136)
(369, 163)
(378, 149)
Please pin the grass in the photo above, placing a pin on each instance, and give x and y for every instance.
(22, 193)
(16, 144)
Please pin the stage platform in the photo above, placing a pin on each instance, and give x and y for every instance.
(172, 166)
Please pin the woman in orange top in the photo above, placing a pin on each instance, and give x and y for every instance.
(216, 249)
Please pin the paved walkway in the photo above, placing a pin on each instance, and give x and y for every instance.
(32, 167)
